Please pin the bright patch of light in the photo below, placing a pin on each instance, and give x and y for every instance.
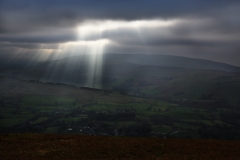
(94, 28)
(92, 42)
(99, 26)
(81, 42)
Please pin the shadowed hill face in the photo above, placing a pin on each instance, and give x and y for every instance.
(129, 72)
(117, 59)
(153, 60)
(156, 76)
(172, 61)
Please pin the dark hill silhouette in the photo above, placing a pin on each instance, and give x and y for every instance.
(172, 61)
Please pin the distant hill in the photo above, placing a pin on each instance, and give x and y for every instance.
(114, 59)
(153, 76)
(172, 61)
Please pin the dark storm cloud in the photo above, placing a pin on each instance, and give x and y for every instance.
(61, 13)
(20, 45)
(29, 45)
(39, 39)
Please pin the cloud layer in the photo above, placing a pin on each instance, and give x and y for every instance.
(200, 29)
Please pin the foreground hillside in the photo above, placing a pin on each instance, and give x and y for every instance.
(44, 146)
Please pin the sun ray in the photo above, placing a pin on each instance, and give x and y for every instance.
(89, 47)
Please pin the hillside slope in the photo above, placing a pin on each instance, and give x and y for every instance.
(85, 147)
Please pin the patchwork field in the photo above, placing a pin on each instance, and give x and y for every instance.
(47, 108)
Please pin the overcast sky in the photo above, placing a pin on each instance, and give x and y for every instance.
(207, 29)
